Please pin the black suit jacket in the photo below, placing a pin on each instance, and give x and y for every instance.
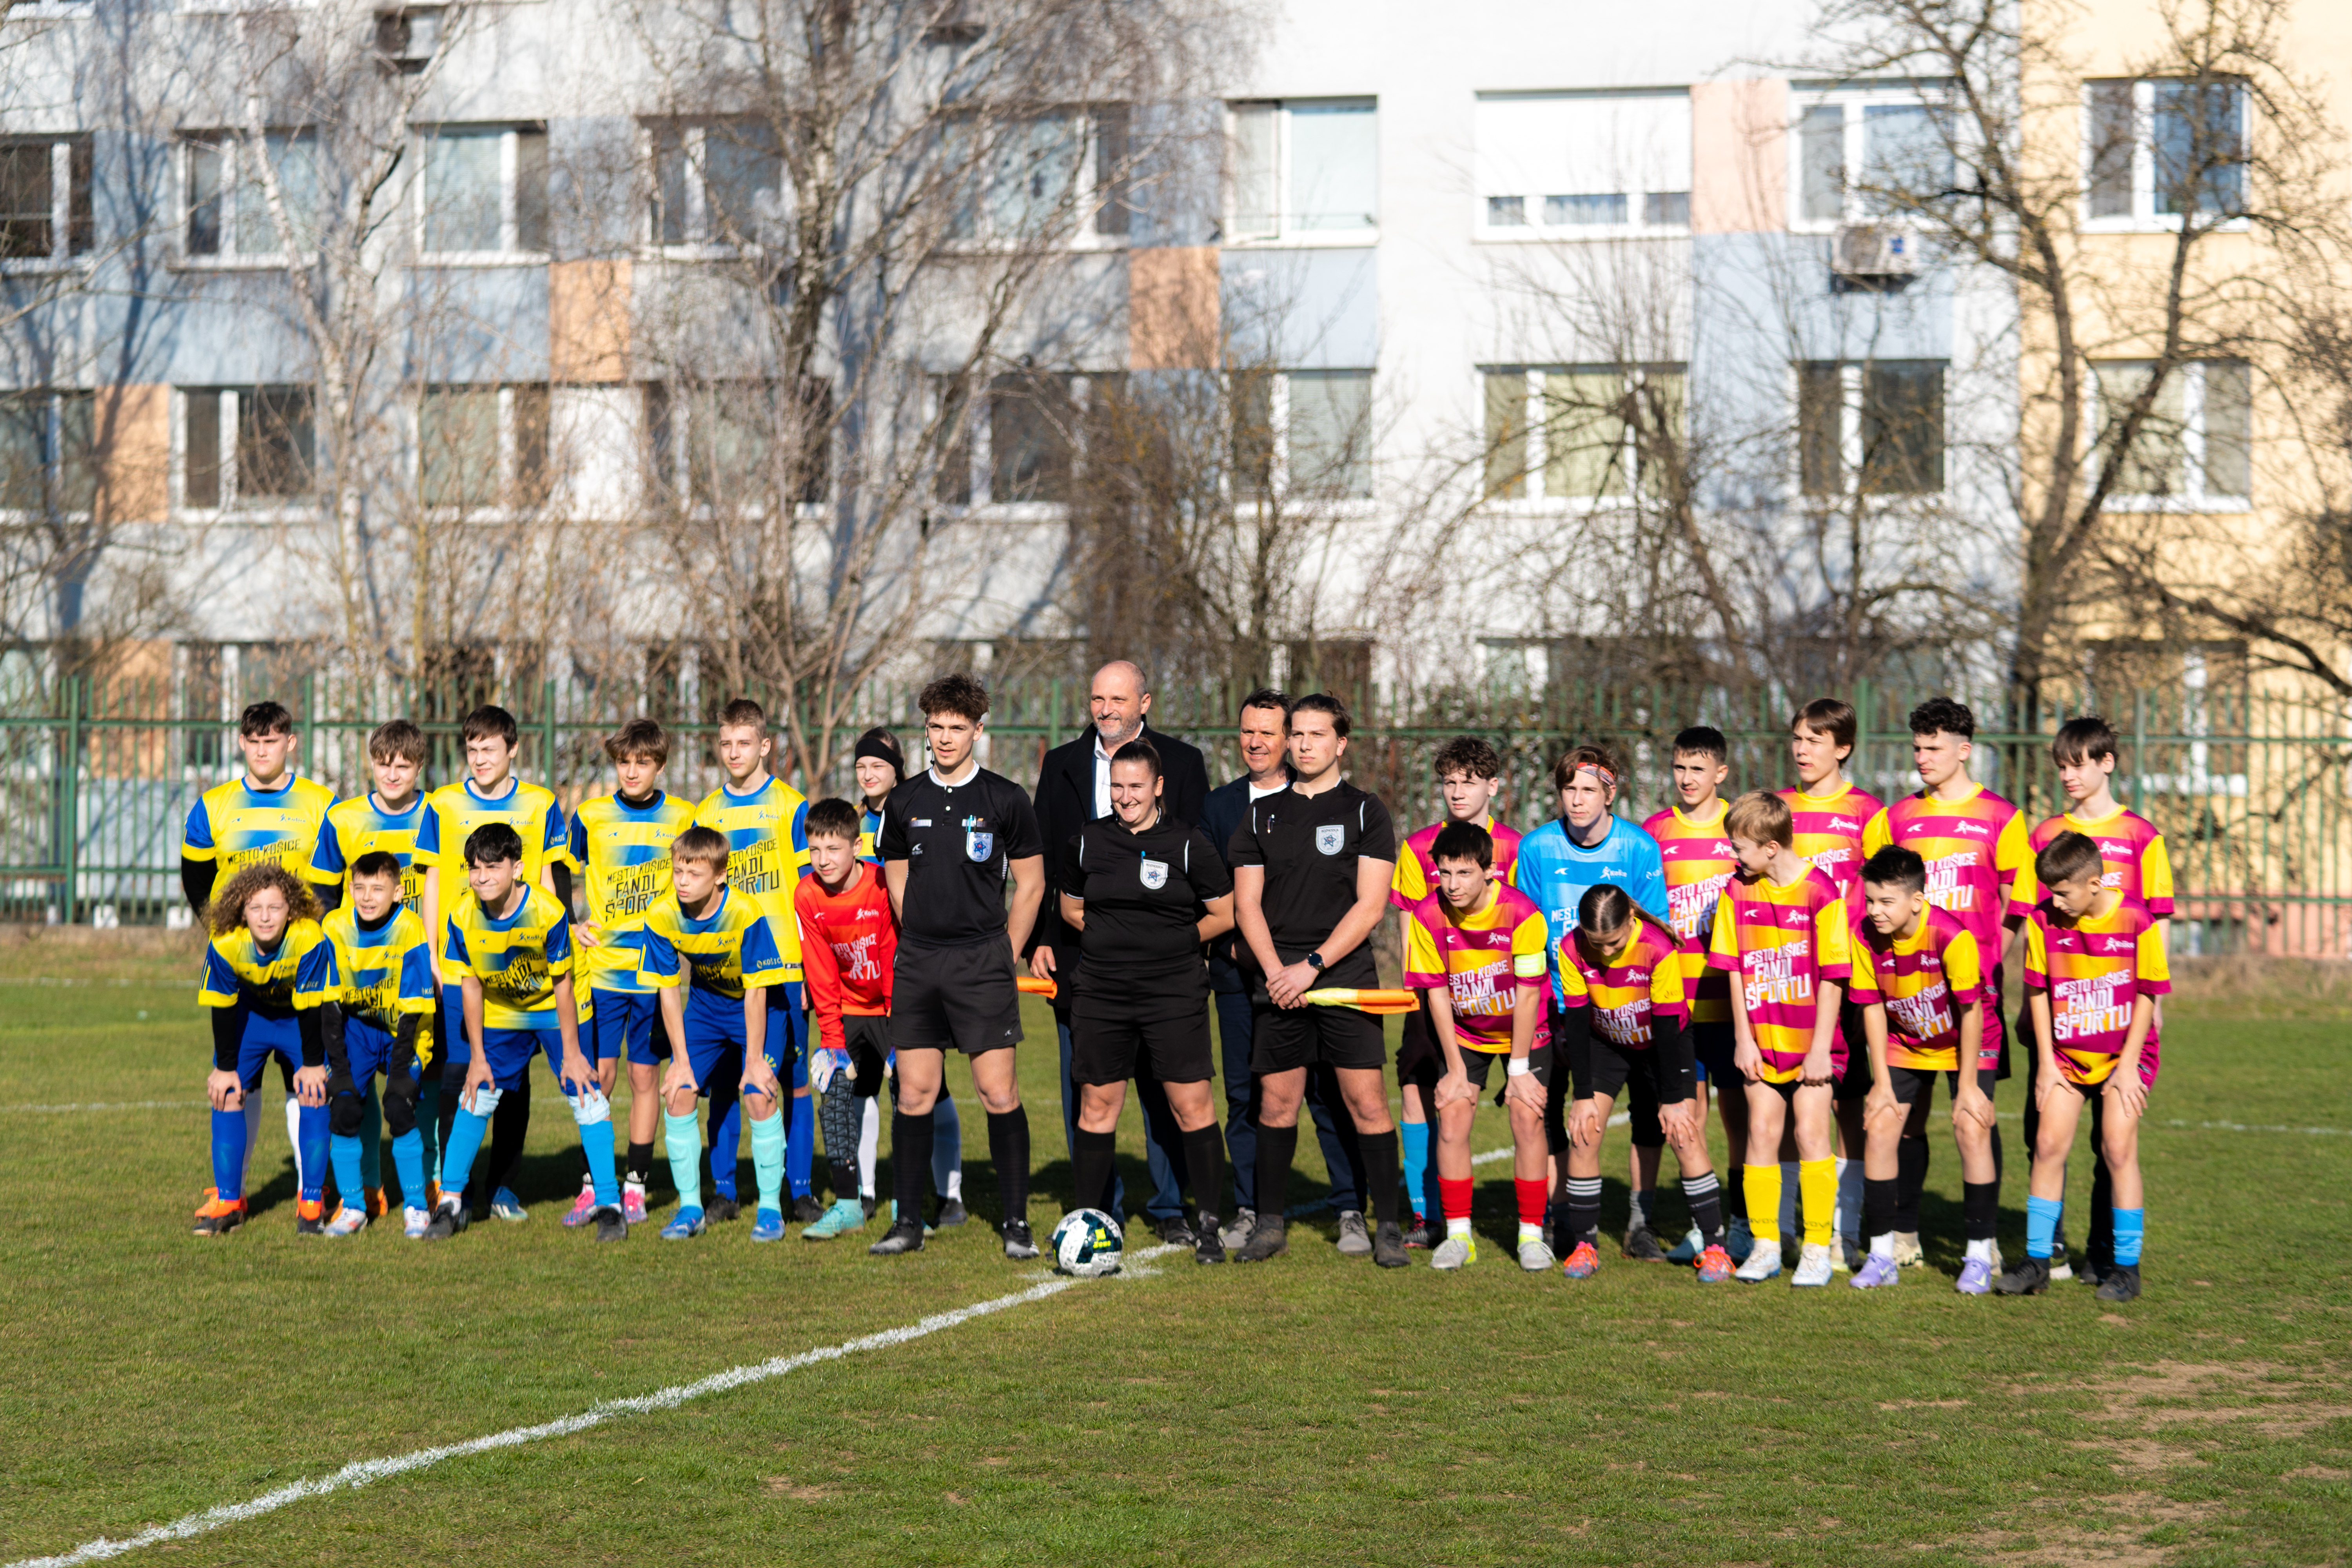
(1066, 803)
(1219, 815)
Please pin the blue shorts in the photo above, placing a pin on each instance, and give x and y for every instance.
(1711, 1047)
(368, 1051)
(261, 1039)
(510, 1052)
(622, 1023)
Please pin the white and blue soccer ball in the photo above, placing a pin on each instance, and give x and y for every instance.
(1088, 1243)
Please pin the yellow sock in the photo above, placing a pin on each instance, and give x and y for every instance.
(1763, 1201)
(1816, 1188)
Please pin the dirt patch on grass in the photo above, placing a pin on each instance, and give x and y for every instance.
(785, 1487)
(2265, 1398)
(2146, 1530)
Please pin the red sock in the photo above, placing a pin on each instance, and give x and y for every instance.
(1533, 1196)
(1454, 1197)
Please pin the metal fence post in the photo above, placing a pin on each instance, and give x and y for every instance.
(69, 772)
(547, 735)
(2139, 750)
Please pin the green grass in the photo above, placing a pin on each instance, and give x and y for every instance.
(1312, 1410)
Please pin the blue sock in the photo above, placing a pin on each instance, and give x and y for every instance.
(1414, 1141)
(466, 1136)
(344, 1150)
(726, 1149)
(428, 1125)
(800, 1146)
(310, 1131)
(769, 1158)
(228, 1153)
(2131, 1225)
(408, 1161)
(603, 1171)
(370, 1141)
(2042, 1224)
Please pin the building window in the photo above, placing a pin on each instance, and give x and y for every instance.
(1878, 424)
(1042, 178)
(729, 443)
(245, 446)
(2154, 151)
(45, 198)
(479, 448)
(227, 206)
(1866, 154)
(484, 191)
(1302, 168)
(719, 183)
(1573, 164)
(1032, 437)
(1301, 433)
(2195, 448)
(46, 452)
(1580, 433)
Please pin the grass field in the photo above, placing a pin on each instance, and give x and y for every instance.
(1312, 1410)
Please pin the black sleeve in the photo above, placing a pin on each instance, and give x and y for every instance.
(1023, 836)
(1677, 1058)
(1243, 848)
(314, 1042)
(1210, 877)
(197, 882)
(1070, 876)
(890, 840)
(1571, 1032)
(227, 1037)
(559, 873)
(331, 1039)
(1377, 839)
(330, 896)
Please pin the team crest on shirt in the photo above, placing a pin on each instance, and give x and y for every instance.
(1155, 874)
(979, 843)
(1330, 838)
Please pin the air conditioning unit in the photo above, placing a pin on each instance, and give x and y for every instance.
(1874, 250)
(406, 39)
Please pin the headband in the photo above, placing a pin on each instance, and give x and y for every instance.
(875, 746)
(1598, 770)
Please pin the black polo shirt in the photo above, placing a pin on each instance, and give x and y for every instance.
(1143, 893)
(959, 842)
(1309, 845)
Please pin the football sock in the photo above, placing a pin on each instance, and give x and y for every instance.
(684, 1136)
(1790, 1189)
(1276, 1145)
(639, 1172)
(1532, 1195)
(1641, 1203)
(769, 1157)
(465, 1142)
(1584, 1209)
(837, 1114)
(800, 1147)
(1412, 1138)
(1735, 1196)
(1008, 1146)
(869, 1144)
(1980, 1209)
(2101, 1243)
(1878, 1213)
(1910, 1180)
(1997, 1166)
(726, 1142)
(428, 1126)
(343, 1154)
(1704, 1194)
(947, 1149)
(593, 1114)
(370, 1139)
(2131, 1226)
(310, 1149)
(1205, 1166)
(306, 1172)
(1453, 1199)
(228, 1153)
(2042, 1216)
(1380, 1152)
(1091, 1155)
(408, 1163)
(1818, 1179)
(910, 1158)
(1763, 1184)
(509, 1127)
(1849, 1196)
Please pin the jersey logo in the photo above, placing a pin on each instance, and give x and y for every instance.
(1331, 838)
(1155, 874)
(978, 844)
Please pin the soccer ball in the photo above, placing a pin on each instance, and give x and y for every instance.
(1088, 1243)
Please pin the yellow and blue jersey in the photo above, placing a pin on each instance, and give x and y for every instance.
(718, 958)
(767, 854)
(519, 958)
(359, 826)
(869, 833)
(294, 974)
(454, 811)
(235, 825)
(385, 974)
(623, 855)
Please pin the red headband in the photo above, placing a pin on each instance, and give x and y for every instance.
(1600, 770)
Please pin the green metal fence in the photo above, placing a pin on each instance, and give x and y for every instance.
(2249, 788)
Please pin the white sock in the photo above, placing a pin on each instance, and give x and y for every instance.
(294, 1139)
(1849, 1199)
(252, 1135)
(1454, 1227)
(1529, 1233)
(1981, 1251)
(869, 1143)
(955, 1185)
(1882, 1245)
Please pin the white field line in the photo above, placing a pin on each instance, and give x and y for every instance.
(116, 1105)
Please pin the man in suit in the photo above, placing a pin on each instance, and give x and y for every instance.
(1264, 736)
(1074, 789)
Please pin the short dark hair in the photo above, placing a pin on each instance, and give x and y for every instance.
(1896, 867)
(1943, 716)
(2067, 857)
(1463, 841)
(264, 718)
(959, 694)
(1472, 755)
(1323, 702)
(707, 845)
(1761, 816)
(1604, 907)
(1577, 758)
(742, 711)
(1138, 751)
(2085, 739)
(489, 720)
(834, 818)
(1704, 740)
(1269, 696)
(1833, 717)
(377, 863)
(396, 738)
(493, 842)
(638, 738)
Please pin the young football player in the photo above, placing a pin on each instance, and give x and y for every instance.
(267, 969)
(621, 843)
(880, 767)
(1698, 864)
(710, 950)
(508, 943)
(1625, 1021)
(765, 823)
(2094, 966)
(1830, 815)
(1470, 779)
(848, 941)
(490, 792)
(382, 1017)
(2138, 867)
(1475, 949)
(1919, 990)
(1780, 928)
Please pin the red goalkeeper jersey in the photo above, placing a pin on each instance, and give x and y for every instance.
(848, 942)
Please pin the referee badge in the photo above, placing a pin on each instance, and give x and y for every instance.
(1331, 838)
(1155, 874)
(979, 843)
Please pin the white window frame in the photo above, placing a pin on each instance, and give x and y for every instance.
(982, 446)
(681, 437)
(231, 146)
(2194, 497)
(507, 254)
(53, 435)
(1285, 202)
(1635, 226)
(1853, 396)
(270, 509)
(1538, 447)
(1082, 236)
(61, 256)
(2144, 219)
(701, 244)
(509, 449)
(1278, 487)
(1853, 100)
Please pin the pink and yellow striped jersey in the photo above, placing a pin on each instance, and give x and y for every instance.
(1974, 849)
(1923, 982)
(1698, 862)
(2093, 969)
(1481, 960)
(1415, 877)
(2137, 866)
(1625, 989)
(1786, 941)
(1828, 830)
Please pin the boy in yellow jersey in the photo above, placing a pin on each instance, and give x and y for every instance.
(490, 792)
(621, 844)
(387, 819)
(765, 823)
(272, 814)
(713, 957)
(510, 945)
(383, 1004)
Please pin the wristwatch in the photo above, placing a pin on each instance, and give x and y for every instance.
(1315, 962)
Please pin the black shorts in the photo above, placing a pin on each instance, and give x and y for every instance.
(1711, 1049)
(867, 1037)
(1419, 1061)
(955, 998)
(1478, 1065)
(1282, 1038)
(1105, 1048)
(1913, 1084)
(1615, 1066)
(1854, 1082)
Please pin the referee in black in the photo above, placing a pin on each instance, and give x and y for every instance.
(1311, 868)
(1144, 891)
(950, 835)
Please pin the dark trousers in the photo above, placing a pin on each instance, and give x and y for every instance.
(1336, 1133)
(1160, 1134)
